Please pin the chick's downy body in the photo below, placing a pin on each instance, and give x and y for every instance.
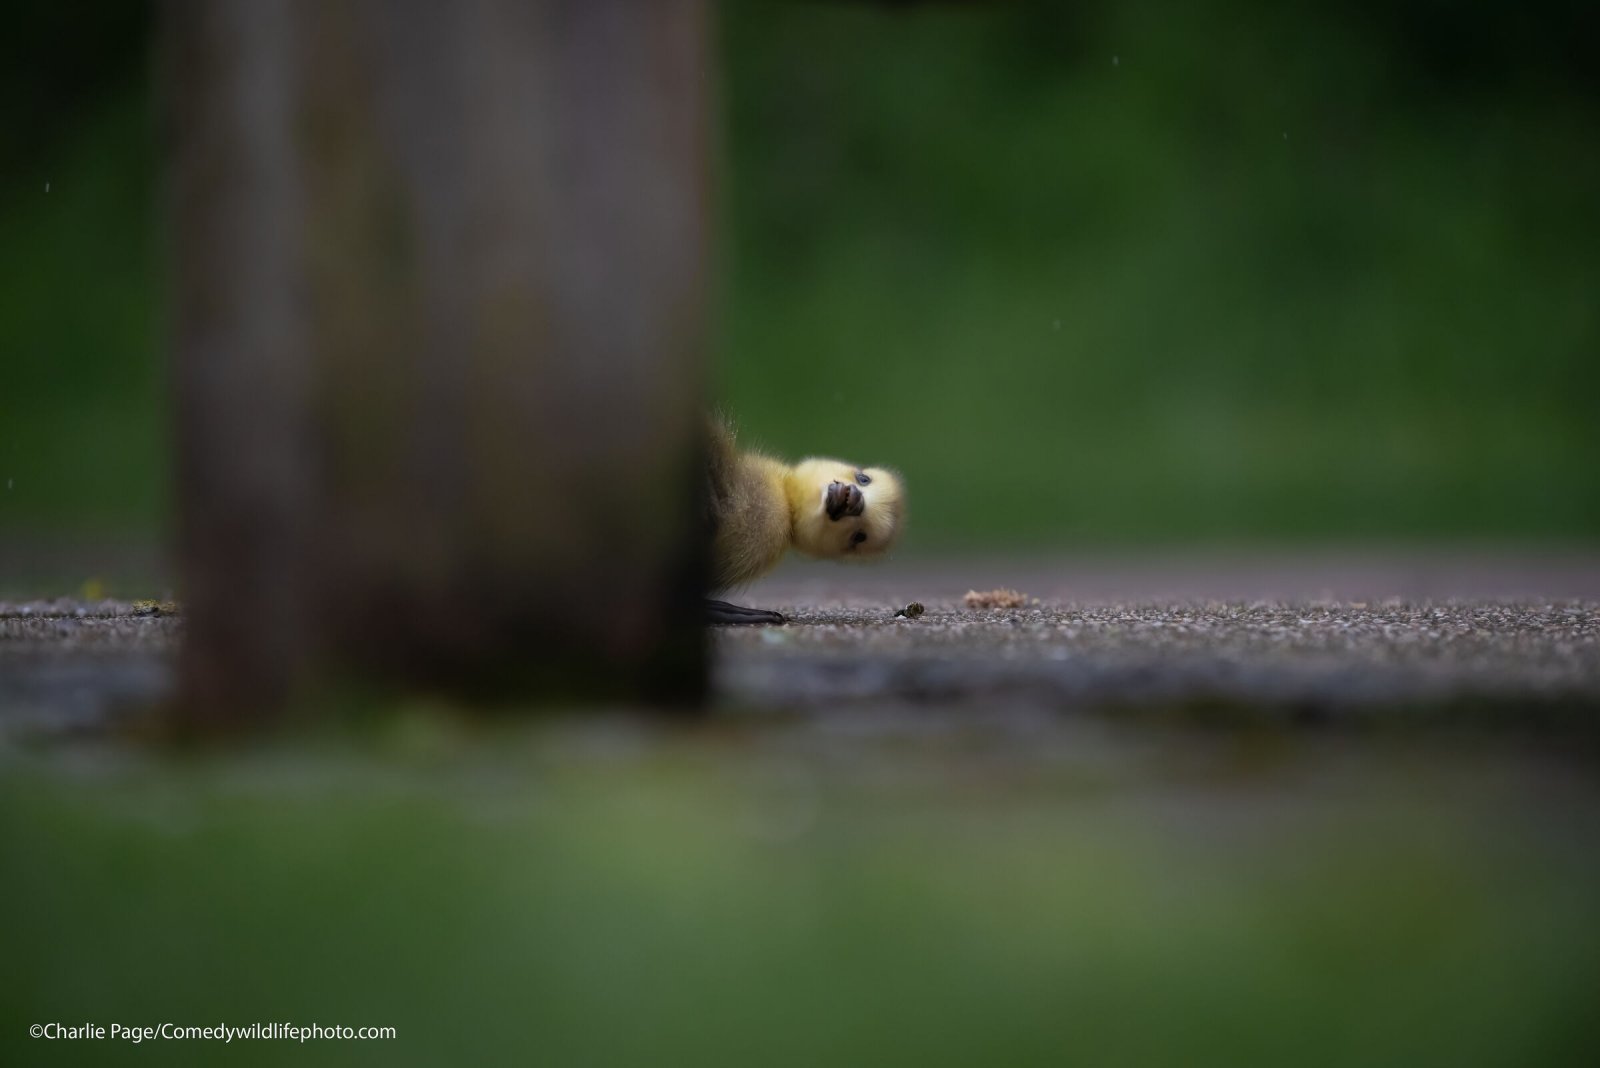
(751, 527)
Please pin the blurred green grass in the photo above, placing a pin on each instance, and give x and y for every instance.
(83, 441)
(703, 901)
(1162, 272)
(1089, 274)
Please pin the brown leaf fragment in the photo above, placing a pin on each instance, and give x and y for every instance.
(1001, 598)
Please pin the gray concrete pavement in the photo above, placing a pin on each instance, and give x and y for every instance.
(1242, 659)
(1434, 639)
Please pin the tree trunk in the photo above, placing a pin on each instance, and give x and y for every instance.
(440, 319)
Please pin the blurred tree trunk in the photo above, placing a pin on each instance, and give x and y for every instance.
(440, 316)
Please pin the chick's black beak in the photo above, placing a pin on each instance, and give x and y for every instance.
(844, 499)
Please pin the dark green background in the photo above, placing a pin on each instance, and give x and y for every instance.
(1088, 273)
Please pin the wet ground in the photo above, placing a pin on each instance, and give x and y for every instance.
(1397, 640)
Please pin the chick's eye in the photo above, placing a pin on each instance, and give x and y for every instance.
(858, 537)
(861, 477)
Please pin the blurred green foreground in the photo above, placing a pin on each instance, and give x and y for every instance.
(602, 896)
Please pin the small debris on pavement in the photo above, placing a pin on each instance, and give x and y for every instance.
(1001, 598)
(155, 608)
(911, 611)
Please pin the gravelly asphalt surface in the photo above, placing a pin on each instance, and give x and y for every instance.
(1297, 635)
(1297, 645)
(69, 666)
(1307, 659)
